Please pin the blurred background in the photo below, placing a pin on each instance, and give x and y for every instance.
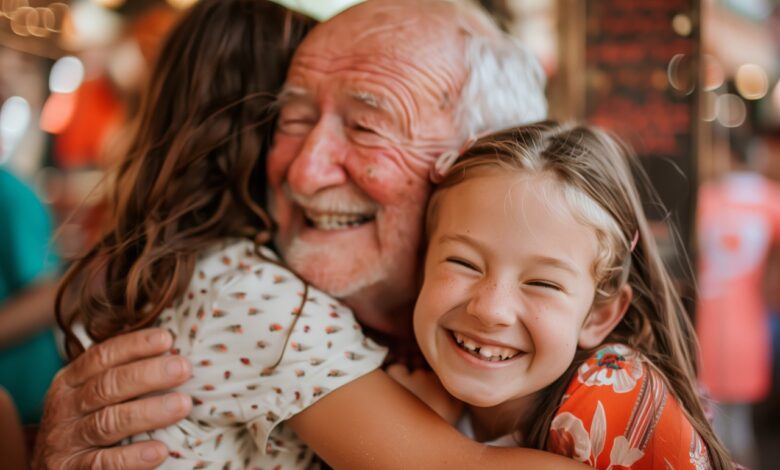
(691, 84)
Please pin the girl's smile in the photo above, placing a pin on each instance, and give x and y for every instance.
(508, 285)
(484, 350)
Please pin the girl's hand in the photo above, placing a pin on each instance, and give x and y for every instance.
(426, 386)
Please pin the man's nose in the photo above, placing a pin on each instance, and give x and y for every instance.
(494, 304)
(320, 162)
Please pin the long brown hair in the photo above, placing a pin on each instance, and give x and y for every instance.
(596, 166)
(195, 168)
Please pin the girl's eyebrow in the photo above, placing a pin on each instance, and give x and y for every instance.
(550, 261)
(556, 263)
(458, 238)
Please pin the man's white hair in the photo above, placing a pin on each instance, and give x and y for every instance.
(504, 84)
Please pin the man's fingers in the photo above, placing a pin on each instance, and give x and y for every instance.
(117, 351)
(138, 456)
(114, 423)
(133, 380)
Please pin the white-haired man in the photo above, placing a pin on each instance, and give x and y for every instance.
(373, 96)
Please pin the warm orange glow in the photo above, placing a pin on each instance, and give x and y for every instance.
(110, 3)
(58, 112)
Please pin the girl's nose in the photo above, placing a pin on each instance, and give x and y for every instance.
(494, 304)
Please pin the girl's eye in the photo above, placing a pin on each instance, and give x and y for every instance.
(462, 262)
(545, 284)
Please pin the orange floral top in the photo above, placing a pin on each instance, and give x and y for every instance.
(618, 413)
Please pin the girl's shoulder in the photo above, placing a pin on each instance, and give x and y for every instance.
(615, 366)
(618, 410)
(235, 254)
(231, 265)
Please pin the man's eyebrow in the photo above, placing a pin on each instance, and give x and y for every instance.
(291, 93)
(370, 99)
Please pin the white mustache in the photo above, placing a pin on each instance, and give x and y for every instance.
(339, 200)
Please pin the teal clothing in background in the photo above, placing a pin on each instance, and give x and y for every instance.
(26, 256)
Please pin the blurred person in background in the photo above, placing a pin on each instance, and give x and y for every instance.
(738, 228)
(28, 266)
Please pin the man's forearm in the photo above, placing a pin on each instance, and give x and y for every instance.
(27, 312)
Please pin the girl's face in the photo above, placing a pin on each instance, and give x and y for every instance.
(508, 285)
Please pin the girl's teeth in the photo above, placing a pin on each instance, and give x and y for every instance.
(489, 353)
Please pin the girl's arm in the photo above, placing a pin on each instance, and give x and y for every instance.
(373, 422)
(425, 385)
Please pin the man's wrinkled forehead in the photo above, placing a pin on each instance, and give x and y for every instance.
(402, 38)
(426, 18)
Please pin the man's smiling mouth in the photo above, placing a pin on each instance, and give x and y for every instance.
(336, 220)
(484, 352)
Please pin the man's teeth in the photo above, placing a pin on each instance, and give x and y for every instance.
(488, 353)
(336, 221)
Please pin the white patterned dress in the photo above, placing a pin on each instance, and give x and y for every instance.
(258, 359)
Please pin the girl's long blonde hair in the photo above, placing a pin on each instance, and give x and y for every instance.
(592, 165)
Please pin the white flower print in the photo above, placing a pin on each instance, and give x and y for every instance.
(623, 454)
(568, 437)
(614, 365)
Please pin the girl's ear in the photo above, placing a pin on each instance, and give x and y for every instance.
(603, 318)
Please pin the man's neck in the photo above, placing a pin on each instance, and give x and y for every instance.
(390, 327)
(387, 316)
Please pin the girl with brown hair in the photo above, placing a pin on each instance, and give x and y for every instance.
(546, 307)
(278, 366)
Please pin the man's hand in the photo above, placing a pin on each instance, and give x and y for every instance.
(87, 407)
(426, 386)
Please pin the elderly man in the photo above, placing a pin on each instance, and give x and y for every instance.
(372, 98)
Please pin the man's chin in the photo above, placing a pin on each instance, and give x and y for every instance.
(340, 270)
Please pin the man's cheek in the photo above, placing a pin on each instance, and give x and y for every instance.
(281, 156)
(385, 172)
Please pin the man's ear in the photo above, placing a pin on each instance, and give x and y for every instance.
(603, 318)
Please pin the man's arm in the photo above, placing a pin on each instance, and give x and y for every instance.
(93, 403)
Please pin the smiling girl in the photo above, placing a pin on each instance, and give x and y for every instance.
(547, 310)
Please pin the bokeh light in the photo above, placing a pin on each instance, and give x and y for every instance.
(110, 3)
(66, 75)
(730, 110)
(752, 82)
(708, 106)
(681, 74)
(681, 23)
(714, 76)
(182, 4)
(14, 119)
(94, 24)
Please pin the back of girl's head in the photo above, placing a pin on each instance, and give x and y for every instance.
(194, 171)
(596, 174)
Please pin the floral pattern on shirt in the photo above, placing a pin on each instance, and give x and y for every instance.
(264, 347)
(618, 413)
